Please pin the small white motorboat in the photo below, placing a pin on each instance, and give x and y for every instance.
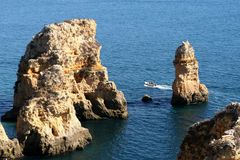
(150, 84)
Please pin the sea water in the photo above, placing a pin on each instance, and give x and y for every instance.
(139, 39)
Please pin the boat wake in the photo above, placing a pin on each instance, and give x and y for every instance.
(158, 86)
(164, 87)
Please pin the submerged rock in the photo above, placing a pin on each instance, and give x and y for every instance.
(72, 46)
(214, 139)
(146, 98)
(9, 149)
(187, 88)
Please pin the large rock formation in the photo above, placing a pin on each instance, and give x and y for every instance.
(187, 88)
(214, 139)
(72, 48)
(9, 149)
(61, 76)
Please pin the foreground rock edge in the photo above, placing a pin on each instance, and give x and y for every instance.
(214, 139)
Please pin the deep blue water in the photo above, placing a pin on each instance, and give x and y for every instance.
(139, 38)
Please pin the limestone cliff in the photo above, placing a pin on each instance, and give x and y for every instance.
(9, 149)
(70, 46)
(214, 139)
(187, 88)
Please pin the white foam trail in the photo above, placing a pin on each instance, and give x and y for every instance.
(164, 87)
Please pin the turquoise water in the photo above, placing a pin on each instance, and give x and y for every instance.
(139, 39)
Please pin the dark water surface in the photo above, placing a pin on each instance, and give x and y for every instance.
(139, 39)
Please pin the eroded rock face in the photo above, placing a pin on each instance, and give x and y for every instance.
(47, 123)
(59, 75)
(72, 46)
(214, 139)
(187, 88)
(53, 127)
(9, 149)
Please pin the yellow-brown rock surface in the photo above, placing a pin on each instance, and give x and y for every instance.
(214, 139)
(187, 88)
(47, 123)
(61, 80)
(9, 149)
(73, 46)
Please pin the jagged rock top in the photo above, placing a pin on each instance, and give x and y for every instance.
(185, 48)
(70, 44)
(68, 36)
(184, 53)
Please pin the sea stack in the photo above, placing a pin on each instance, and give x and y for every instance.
(60, 80)
(9, 149)
(214, 139)
(187, 88)
(69, 51)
